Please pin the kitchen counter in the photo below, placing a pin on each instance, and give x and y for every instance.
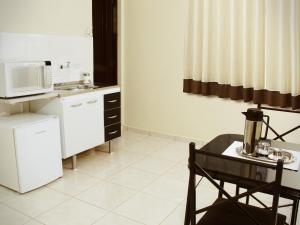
(54, 94)
(66, 93)
(13, 101)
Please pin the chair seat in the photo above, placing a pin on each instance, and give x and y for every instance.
(229, 214)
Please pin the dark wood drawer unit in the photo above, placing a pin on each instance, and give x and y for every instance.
(112, 101)
(112, 116)
(112, 131)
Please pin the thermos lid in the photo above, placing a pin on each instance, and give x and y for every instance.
(254, 114)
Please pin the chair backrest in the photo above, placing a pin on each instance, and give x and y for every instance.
(255, 183)
(279, 136)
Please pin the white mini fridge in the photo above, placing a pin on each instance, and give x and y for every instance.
(30, 151)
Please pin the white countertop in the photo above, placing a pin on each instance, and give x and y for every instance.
(54, 94)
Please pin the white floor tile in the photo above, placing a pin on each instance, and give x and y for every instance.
(146, 209)
(174, 151)
(11, 217)
(72, 183)
(133, 178)
(123, 158)
(169, 189)
(180, 172)
(114, 219)
(142, 147)
(157, 141)
(128, 138)
(205, 196)
(33, 222)
(6, 193)
(106, 195)
(72, 212)
(176, 217)
(98, 169)
(36, 202)
(142, 182)
(154, 165)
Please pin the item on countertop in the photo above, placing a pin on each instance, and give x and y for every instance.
(272, 157)
(263, 147)
(253, 129)
(23, 78)
(86, 78)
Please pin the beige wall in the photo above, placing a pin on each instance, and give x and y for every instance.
(59, 17)
(63, 17)
(154, 100)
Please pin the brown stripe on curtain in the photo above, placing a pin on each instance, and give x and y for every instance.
(272, 98)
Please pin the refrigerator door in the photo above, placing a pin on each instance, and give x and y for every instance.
(38, 153)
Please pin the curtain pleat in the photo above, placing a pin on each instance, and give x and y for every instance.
(244, 50)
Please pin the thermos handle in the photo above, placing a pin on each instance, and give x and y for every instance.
(267, 128)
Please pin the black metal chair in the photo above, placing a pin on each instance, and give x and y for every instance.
(229, 211)
(279, 136)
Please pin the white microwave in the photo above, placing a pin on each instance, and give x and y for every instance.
(25, 78)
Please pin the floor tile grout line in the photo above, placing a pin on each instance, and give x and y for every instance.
(35, 217)
(129, 165)
(18, 211)
(65, 193)
(69, 199)
(107, 180)
(141, 192)
(174, 210)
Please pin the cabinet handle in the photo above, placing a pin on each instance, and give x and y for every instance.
(92, 102)
(112, 101)
(40, 132)
(112, 117)
(77, 105)
(113, 132)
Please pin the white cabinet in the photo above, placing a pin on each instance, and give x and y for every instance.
(82, 123)
(81, 120)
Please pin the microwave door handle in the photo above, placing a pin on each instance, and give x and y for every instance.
(47, 80)
(45, 77)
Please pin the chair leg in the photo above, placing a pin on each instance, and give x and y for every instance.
(187, 217)
(237, 190)
(192, 184)
(247, 199)
(294, 212)
(220, 193)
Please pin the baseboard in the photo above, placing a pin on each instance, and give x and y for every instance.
(162, 135)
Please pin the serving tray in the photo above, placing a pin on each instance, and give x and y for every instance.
(272, 157)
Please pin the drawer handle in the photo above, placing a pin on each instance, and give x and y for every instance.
(112, 101)
(112, 117)
(113, 132)
(40, 132)
(92, 102)
(77, 105)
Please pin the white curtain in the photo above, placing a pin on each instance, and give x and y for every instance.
(250, 44)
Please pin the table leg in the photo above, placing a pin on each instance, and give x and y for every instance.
(294, 212)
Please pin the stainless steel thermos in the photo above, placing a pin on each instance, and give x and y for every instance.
(253, 130)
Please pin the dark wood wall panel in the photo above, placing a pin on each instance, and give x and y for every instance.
(105, 42)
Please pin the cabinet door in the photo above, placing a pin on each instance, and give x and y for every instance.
(83, 124)
(38, 152)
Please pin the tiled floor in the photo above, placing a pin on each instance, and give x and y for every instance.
(142, 182)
